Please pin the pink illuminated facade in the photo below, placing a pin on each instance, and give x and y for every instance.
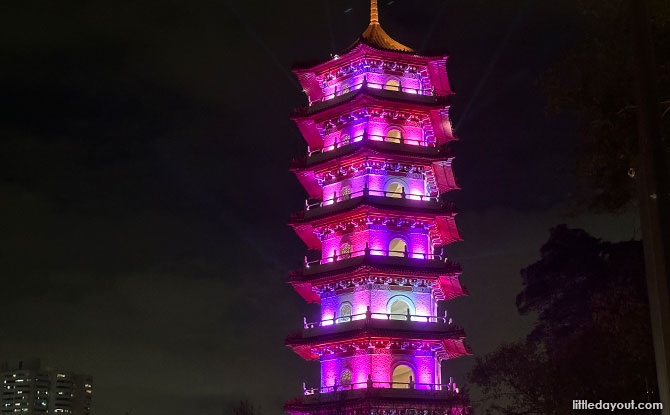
(375, 222)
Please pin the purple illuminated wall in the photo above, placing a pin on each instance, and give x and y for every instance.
(377, 129)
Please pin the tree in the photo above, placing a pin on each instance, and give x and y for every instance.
(592, 337)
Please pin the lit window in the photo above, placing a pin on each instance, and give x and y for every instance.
(345, 313)
(397, 247)
(392, 85)
(346, 377)
(401, 376)
(393, 136)
(346, 193)
(399, 308)
(345, 250)
(394, 189)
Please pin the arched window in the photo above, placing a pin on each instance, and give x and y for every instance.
(393, 135)
(397, 247)
(395, 189)
(345, 248)
(344, 313)
(402, 376)
(392, 85)
(398, 306)
(345, 377)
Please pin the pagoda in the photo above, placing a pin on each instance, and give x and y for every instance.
(377, 168)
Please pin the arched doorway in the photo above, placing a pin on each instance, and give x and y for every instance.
(394, 189)
(399, 307)
(397, 247)
(392, 85)
(346, 377)
(402, 376)
(393, 136)
(344, 313)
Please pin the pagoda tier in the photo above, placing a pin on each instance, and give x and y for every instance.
(370, 113)
(376, 273)
(347, 227)
(421, 75)
(351, 162)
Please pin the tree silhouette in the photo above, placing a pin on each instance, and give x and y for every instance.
(592, 339)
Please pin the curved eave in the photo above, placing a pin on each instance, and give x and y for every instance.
(376, 204)
(404, 153)
(450, 338)
(324, 273)
(379, 96)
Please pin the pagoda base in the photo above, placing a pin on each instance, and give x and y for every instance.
(381, 401)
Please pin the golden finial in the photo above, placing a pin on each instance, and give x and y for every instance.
(374, 14)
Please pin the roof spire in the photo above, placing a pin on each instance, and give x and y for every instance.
(374, 14)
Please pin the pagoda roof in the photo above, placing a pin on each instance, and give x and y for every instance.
(375, 95)
(376, 204)
(377, 38)
(447, 337)
(417, 267)
(367, 147)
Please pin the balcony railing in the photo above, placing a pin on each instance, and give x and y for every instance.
(371, 251)
(423, 142)
(370, 384)
(378, 316)
(368, 192)
(376, 85)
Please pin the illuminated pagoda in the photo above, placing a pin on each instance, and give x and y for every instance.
(375, 223)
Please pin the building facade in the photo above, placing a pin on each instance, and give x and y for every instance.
(377, 171)
(29, 388)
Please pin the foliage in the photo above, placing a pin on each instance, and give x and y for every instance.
(592, 337)
(595, 82)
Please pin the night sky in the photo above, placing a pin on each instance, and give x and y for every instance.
(144, 184)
